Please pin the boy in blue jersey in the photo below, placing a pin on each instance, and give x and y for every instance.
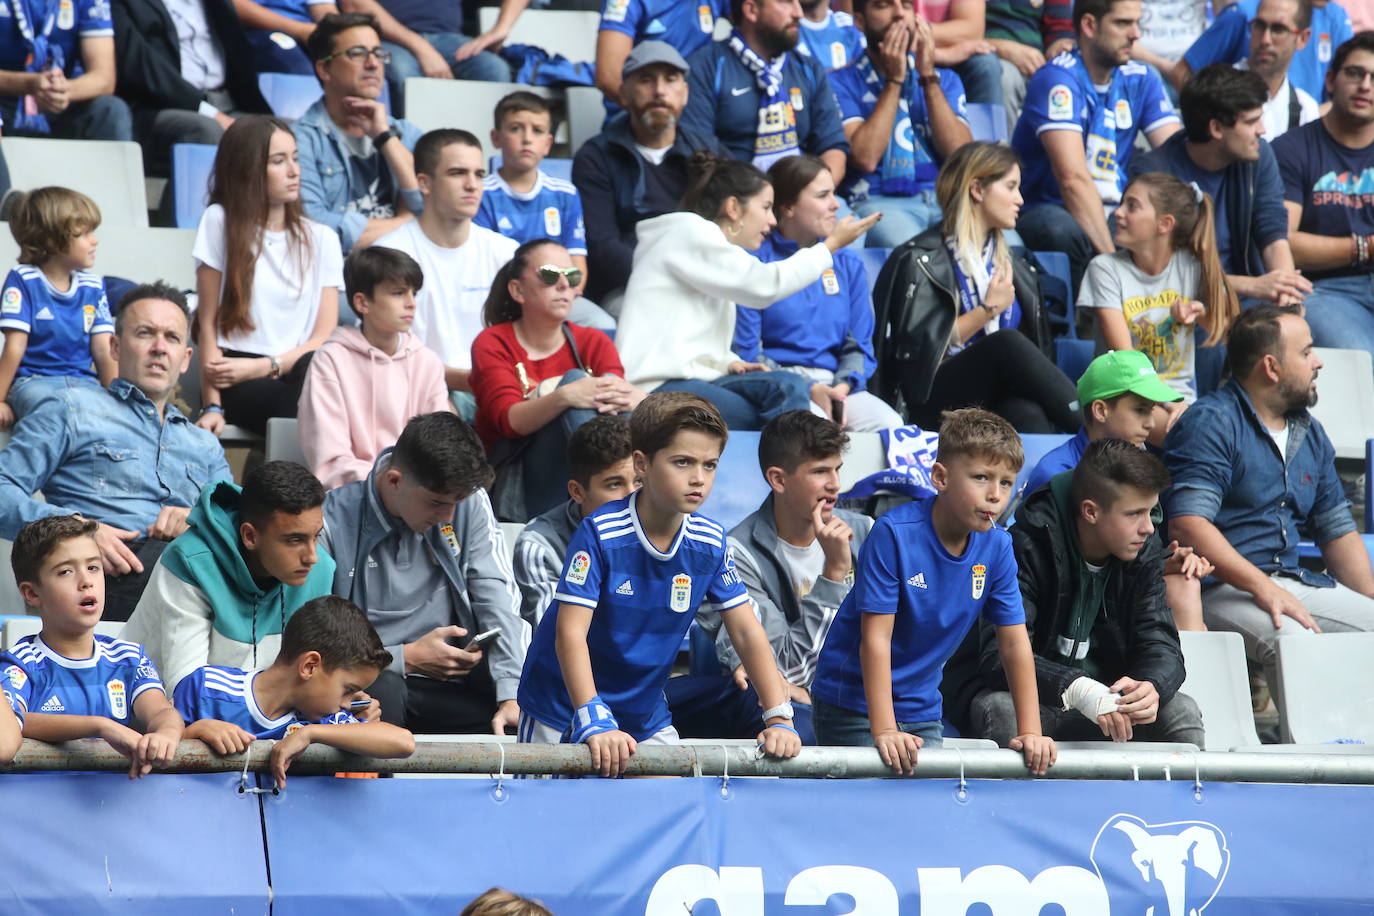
(521, 201)
(53, 312)
(926, 572)
(329, 654)
(636, 571)
(829, 36)
(1077, 133)
(67, 682)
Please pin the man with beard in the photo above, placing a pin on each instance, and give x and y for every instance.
(764, 102)
(1251, 469)
(1327, 168)
(902, 117)
(1078, 129)
(637, 166)
(1279, 30)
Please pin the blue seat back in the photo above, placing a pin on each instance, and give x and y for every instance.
(874, 259)
(192, 164)
(1073, 356)
(1056, 286)
(554, 168)
(987, 121)
(739, 486)
(290, 94)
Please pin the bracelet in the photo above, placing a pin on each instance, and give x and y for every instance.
(783, 725)
(212, 408)
(275, 370)
(928, 81)
(380, 140)
(591, 718)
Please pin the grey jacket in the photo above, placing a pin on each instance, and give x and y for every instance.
(796, 628)
(361, 535)
(539, 553)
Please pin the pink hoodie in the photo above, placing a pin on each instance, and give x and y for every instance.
(356, 401)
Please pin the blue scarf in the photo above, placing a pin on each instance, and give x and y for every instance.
(907, 167)
(777, 136)
(42, 55)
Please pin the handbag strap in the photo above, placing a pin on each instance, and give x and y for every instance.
(572, 344)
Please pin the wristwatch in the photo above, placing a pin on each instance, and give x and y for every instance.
(783, 710)
(275, 371)
(932, 80)
(379, 141)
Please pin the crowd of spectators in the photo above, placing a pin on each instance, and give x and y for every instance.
(574, 354)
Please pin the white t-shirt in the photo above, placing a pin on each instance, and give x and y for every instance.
(655, 156)
(1277, 109)
(804, 565)
(286, 286)
(1169, 27)
(448, 311)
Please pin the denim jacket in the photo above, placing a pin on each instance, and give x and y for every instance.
(1227, 469)
(328, 183)
(104, 453)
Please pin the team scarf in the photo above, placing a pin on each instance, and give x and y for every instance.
(42, 55)
(907, 167)
(974, 289)
(777, 131)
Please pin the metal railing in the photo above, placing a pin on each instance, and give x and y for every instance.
(434, 757)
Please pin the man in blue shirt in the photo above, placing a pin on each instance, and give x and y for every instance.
(902, 117)
(61, 57)
(1327, 168)
(1221, 149)
(1227, 40)
(684, 24)
(123, 456)
(829, 36)
(761, 100)
(1252, 472)
(1078, 129)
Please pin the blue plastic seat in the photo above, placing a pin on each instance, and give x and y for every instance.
(1072, 356)
(874, 259)
(1056, 285)
(192, 164)
(987, 121)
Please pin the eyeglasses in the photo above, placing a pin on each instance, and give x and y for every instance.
(550, 274)
(1356, 74)
(1277, 29)
(358, 54)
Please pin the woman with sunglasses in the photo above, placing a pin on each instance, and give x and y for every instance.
(690, 268)
(538, 378)
(268, 280)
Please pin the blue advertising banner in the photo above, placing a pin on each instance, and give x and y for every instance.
(679, 847)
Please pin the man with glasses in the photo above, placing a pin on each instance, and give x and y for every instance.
(357, 172)
(1279, 30)
(1328, 183)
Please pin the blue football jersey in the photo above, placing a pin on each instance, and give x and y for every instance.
(59, 325)
(551, 209)
(684, 24)
(834, 43)
(1061, 96)
(936, 597)
(106, 684)
(643, 600)
(65, 22)
(226, 694)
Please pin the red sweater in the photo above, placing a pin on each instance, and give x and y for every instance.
(499, 385)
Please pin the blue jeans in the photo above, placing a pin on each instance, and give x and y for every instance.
(836, 727)
(484, 66)
(1049, 227)
(28, 392)
(749, 400)
(1340, 312)
(713, 706)
(982, 76)
(903, 217)
(105, 117)
(270, 57)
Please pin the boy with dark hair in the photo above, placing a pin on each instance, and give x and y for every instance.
(365, 382)
(929, 569)
(221, 593)
(329, 654)
(638, 568)
(421, 552)
(795, 554)
(1107, 656)
(66, 682)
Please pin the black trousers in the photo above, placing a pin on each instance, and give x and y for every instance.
(122, 592)
(462, 706)
(252, 403)
(1007, 374)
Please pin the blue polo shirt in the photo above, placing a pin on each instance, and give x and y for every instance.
(1227, 40)
(723, 102)
(684, 24)
(1061, 96)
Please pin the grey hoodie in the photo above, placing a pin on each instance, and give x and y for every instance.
(365, 539)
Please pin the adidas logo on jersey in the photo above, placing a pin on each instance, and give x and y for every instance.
(44, 314)
(504, 224)
(625, 588)
(918, 580)
(52, 704)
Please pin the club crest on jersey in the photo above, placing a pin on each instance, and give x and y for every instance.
(1123, 114)
(16, 676)
(553, 223)
(66, 14)
(13, 301)
(829, 282)
(119, 701)
(839, 56)
(705, 19)
(578, 568)
(452, 537)
(980, 578)
(680, 595)
(88, 317)
(1324, 48)
(798, 100)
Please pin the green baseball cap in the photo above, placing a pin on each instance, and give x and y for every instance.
(1118, 371)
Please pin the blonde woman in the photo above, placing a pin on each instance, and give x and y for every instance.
(959, 316)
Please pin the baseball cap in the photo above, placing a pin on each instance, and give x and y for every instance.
(653, 52)
(1118, 371)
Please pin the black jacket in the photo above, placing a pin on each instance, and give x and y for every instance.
(148, 59)
(915, 303)
(1134, 636)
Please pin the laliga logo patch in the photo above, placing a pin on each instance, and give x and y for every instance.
(13, 301)
(980, 578)
(119, 702)
(553, 224)
(16, 676)
(1123, 114)
(680, 597)
(577, 569)
(452, 538)
(1061, 103)
(615, 10)
(829, 282)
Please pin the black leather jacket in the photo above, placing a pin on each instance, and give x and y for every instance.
(915, 303)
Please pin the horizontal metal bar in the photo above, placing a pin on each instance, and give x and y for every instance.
(1112, 762)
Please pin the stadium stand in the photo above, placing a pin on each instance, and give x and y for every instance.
(432, 103)
(571, 33)
(138, 254)
(1346, 405)
(192, 166)
(290, 94)
(108, 172)
(988, 122)
(1219, 680)
(586, 113)
(1324, 692)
